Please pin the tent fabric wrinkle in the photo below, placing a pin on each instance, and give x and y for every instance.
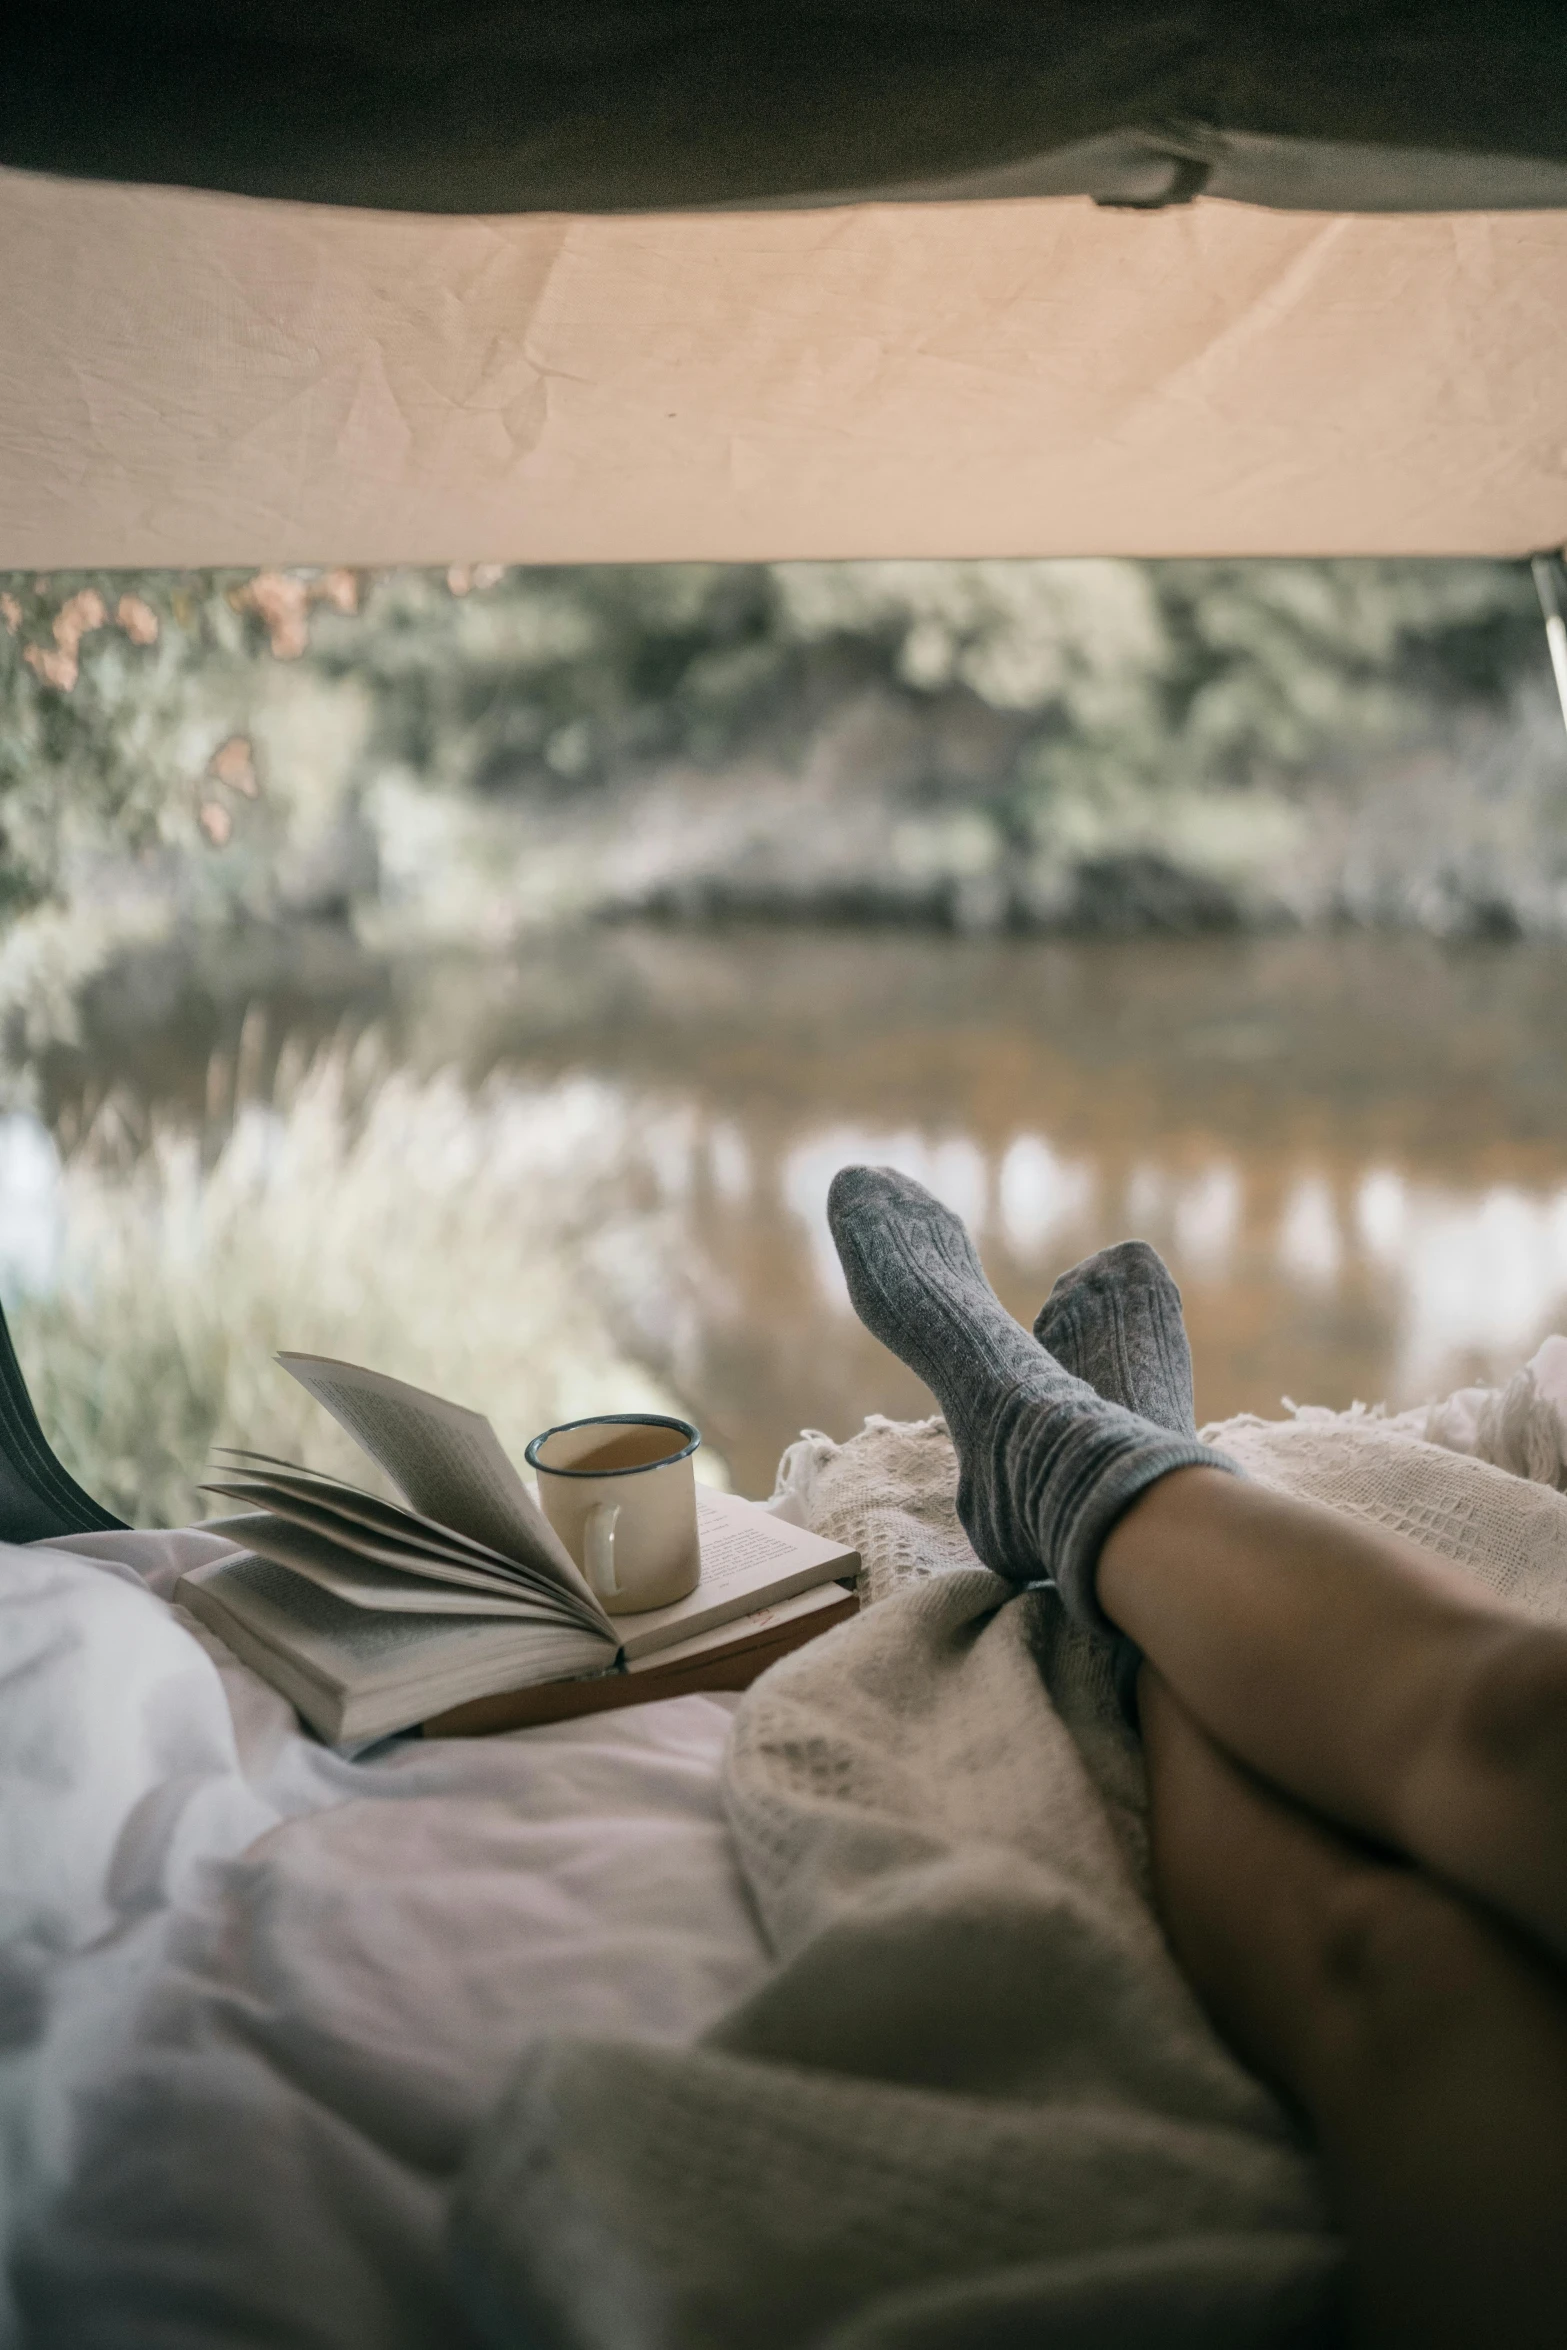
(192, 379)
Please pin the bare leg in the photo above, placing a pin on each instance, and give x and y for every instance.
(1362, 1676)
(1426, 2045)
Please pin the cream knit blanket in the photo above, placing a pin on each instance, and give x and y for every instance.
(975, 2104)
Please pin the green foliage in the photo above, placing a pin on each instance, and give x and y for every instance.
(116, 693)
(1285, 667)
(555, 679)
(111, 687)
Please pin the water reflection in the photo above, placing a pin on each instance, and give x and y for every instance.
(1353, 1152)
(1462, 1281)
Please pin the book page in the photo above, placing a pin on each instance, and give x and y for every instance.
(354, 1673)
(392, 1535)
(370, 1510)
(828, 1599)
(446, 1459)
(750, 1560)
(389, 1590)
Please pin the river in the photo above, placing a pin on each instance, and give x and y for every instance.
(1352, 1150)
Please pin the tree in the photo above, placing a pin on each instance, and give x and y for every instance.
(125, 707)
(127, 703)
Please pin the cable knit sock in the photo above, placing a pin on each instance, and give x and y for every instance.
(1115, 1320)
(1046, 1466)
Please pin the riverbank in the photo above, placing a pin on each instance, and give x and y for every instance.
(1462, 840)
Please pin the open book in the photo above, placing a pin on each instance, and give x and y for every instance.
(447, 1609)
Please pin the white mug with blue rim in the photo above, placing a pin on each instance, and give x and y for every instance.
(620, 1491)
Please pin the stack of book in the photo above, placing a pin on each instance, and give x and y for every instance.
(459, 1610)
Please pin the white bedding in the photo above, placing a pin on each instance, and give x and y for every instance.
(254, 1998)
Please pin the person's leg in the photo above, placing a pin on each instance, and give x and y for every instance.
(1362, 1675)
(1425, 2044)
(1115, 1322)
(1366, 1678)
(1437, 1742)
(1045, 1465)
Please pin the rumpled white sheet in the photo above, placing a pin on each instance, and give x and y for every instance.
(255, 1998)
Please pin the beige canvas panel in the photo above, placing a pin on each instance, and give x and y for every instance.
(194, 379)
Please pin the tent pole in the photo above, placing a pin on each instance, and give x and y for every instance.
(1547, 580)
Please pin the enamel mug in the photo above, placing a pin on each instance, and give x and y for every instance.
(620, 1491)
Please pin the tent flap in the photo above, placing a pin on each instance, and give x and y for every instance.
(606, 105)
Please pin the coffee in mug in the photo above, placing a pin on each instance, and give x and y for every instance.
(620, 1491)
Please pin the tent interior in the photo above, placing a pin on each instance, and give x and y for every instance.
(644, 2031)
(556, 285)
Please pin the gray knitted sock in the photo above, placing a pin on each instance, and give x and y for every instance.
(1115, 1320)
(1046, 1466)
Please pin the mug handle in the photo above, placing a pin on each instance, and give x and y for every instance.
(599, 1545)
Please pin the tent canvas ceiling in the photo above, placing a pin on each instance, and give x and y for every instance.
(194, 379)
(414, 299)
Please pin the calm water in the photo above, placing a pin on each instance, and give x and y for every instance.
(1353, 1152)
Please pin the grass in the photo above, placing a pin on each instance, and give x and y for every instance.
(460, 1239)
